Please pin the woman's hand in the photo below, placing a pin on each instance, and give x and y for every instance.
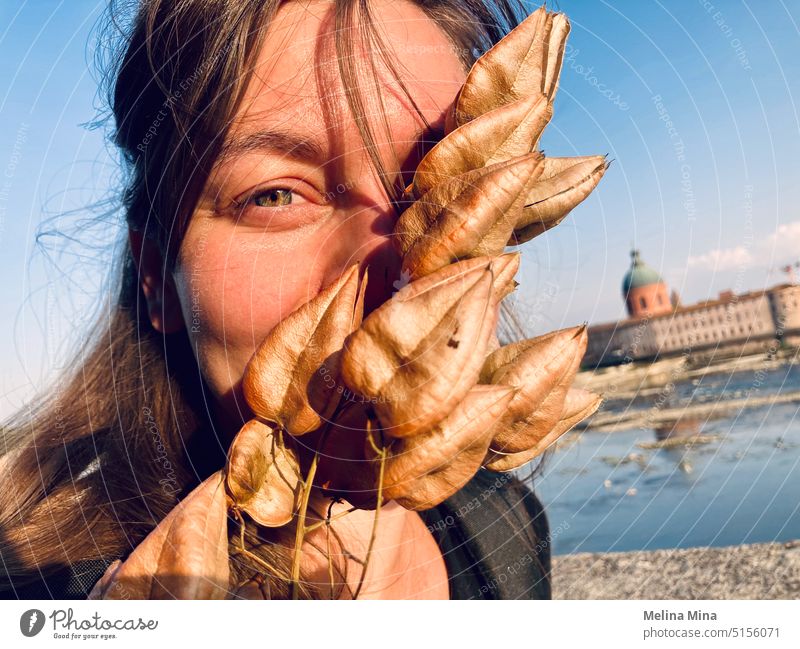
(184, 557)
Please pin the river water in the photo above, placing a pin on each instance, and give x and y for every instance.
(605, 493)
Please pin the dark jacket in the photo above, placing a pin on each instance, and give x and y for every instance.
(495, 539)
(493, 534)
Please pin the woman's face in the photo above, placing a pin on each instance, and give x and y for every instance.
(294, 200)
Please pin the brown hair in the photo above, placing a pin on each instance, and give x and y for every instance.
(94, 463)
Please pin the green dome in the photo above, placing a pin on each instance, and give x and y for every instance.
(639, 274)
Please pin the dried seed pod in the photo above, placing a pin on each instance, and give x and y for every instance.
(578, 405)
(542, 368)
(262, 475)
(551, 198)
(471, 215)
(556, 165)
(424, 470)
(528, 431)
(505, 355)
(503, 269)
(509, 358)
(184, 557)
(416, 356)
(461, 192)
(507, 132)
(525, 62)
(291, 378)
(556, 42)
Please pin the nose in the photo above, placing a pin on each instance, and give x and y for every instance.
(365, 236)
(366, 217)
(380, 261)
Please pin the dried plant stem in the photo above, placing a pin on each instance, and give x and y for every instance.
(247, 553)
(308, 485)
(328, 547)
(382, 452)
(302, 529)
(329, 520)
(301, 523)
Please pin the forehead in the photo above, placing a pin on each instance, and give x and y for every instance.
(297, 82)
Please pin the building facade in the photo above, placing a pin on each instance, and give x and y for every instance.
(659, 326)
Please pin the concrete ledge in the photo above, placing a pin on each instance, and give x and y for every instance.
(758, 571)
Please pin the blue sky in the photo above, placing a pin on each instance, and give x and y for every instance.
(710, 198)
(710, 203)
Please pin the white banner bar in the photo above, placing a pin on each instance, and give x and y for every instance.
(455, 624)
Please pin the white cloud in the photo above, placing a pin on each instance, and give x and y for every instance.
(783, 246)
(779, 248)
(722, 259)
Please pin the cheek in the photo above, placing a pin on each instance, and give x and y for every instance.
(232, 293)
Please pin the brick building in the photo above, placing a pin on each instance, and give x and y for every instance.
(659, 326)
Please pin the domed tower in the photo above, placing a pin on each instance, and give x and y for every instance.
(644, 291)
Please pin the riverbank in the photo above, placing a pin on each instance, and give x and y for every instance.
(655, 416)
(757, 571)
(638, 380)
(672, 394)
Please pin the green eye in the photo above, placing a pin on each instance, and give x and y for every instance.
(273, 198)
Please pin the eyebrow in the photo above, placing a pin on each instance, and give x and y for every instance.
(286, 142)
(298, 146)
